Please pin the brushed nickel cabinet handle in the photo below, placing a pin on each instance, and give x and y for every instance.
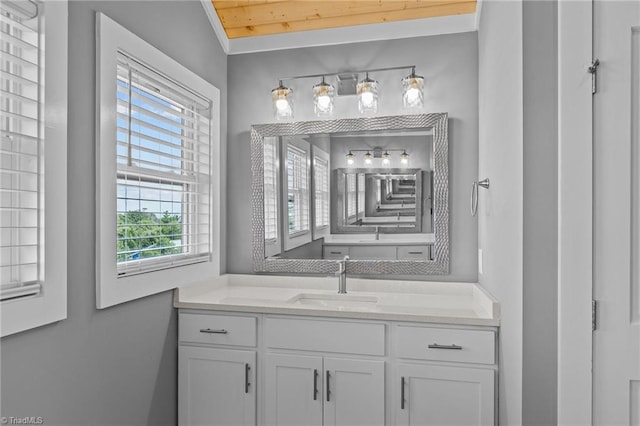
(210, 331)
(437, 346)
(315, 384)
(246, 378)
(402, 393)
(328, 391)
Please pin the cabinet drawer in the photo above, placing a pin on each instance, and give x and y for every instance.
(413, 252)
(325, 336)
(217, 329)
(444, 344)
(335, 252)
(364, 252)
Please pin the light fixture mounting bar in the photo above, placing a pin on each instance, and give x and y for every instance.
(327, 74)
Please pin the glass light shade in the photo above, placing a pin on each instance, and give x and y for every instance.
(282, 100)
(385, 158)
(367, 91)
(350, 158)
(368, 158)
(413, 91)
(323, 97)
(404, 157)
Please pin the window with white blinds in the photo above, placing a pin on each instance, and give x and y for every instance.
(351, 191)
(321, 181)
(298, 190)
(21, 150)
(361, 195)
(270, 189)
(163, 171)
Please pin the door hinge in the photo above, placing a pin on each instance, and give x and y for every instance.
(594, 315)
(593, 70)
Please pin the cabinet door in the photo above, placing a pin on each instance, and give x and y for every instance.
(353, 392)
(439, 395)
(293, 390)
(216, 387)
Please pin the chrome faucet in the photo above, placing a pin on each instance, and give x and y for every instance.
(342, 275)
(377, 233)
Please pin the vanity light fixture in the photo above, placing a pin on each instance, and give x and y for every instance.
(350, 158)
(413, 90)
(368, 158)
(282, 100)
(323, 96)
(367, 91)
(404, 157)
(385, 158)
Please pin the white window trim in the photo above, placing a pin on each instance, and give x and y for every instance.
(51, 304)
(111, 290)
(303, 237)
(320, 231)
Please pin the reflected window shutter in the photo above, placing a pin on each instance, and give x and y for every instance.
(21, 112)
(163, 171)
(322, 191)
(298, 188)
(270, 189)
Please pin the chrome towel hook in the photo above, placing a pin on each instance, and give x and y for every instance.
(474, 194)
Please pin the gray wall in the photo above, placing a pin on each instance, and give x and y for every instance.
(449, 64)
(540, 291)
(116, 366)
(500, 209)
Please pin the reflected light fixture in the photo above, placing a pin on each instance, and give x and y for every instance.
(350, 158)
(404, 157)
(367, 91)
(282, 100)
(368, 158)
(323, 97)
(385, 158)
(413, 90)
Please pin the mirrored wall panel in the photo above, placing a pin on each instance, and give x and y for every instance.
(373, 189)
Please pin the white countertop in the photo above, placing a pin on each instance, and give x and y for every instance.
(384, 239)
(392, 300)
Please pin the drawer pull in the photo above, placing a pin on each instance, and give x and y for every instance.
(336, 252)
(315, 384)
(416, 252)
(437, 346)
(328, 391)
(402, 393)
(246, 378)
(210, 331)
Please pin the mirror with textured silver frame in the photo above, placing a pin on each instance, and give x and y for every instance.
(285, 160)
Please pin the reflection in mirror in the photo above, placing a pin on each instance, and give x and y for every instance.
(360, 187)
(319, 207)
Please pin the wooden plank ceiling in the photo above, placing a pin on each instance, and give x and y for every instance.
(263, 17)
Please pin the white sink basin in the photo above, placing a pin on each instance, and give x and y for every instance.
(336, 301)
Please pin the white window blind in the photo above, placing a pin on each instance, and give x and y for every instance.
(163, 171)
(361, 194)
(321, 176)
(270, 189)
(298, 190)
(351, 195)
(21, 151)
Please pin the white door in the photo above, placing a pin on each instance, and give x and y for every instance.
(353, 392)
(293, 390)
(429, 395)
(216, 387)
(616, 342)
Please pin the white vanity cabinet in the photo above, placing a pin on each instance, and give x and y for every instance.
(377, 251)
(443, 376)
(324, 372)
(321, 371)
(216, 379)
